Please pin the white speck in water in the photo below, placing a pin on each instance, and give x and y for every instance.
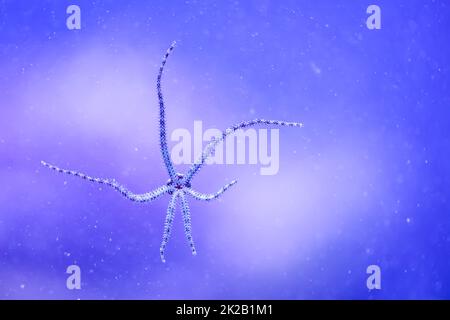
(315, 68)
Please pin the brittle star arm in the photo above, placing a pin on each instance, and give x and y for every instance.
(145, 197)
(168, 224)
(209, 196)
(162, 118)
(211, 145)
(187, 222)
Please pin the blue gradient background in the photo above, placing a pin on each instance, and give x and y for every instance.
(365, 182)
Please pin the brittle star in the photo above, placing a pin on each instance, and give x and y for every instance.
(178, 185)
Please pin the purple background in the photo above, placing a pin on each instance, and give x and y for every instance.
(365, 182)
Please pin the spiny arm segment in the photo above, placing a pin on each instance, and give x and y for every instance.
(187, 222)
(145, 197)
(162, 118)
(210, 146)
(168, 224)
(212, 196)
